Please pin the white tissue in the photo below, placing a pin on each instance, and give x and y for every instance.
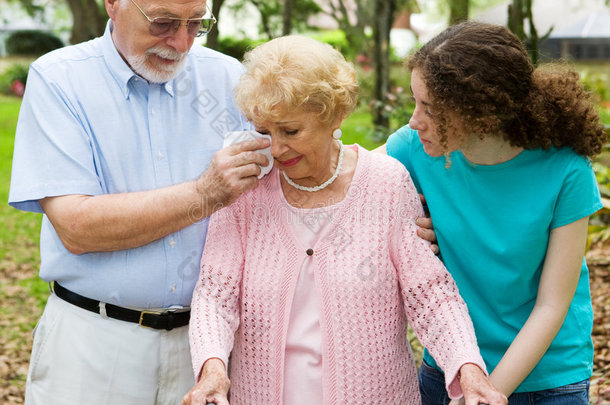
(241, 136)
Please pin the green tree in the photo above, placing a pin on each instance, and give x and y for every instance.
(384, 17)
(458, 11)
(212, 37)
(89, 17)
(287, 17)
(352, 21)
(518, 12)
(273, 17)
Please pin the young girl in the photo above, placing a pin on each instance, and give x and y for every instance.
(501, 151)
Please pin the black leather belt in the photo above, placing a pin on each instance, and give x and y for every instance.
(167, 320)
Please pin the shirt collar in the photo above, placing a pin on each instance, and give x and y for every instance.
(119, 69)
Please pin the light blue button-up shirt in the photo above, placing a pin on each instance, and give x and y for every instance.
(89, 125)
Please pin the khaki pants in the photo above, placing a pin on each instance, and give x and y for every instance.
(79, 357)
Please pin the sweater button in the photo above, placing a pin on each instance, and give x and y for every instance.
(309, 252)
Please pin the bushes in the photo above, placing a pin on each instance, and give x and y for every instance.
(12, 80)
(337, 40)
(236, 47)
(32, 42)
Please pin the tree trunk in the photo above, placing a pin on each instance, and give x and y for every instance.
(88, 20)
(518, 12)
(260, 6)
(287, 17)
(381, 33)
(459, 11)
(516, 18)
(212, 37)
(354, 33)
(533, 38)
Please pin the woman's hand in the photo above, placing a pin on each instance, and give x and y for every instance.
(477, 389)
(212, 387)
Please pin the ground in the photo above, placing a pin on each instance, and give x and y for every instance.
(599, 263)
(20, 309)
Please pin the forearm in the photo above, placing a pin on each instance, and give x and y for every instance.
(121, 221)
(528, 347)
(558, 282)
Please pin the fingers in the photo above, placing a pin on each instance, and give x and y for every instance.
(424, 204)
(424, 222)
(252, 145)
(246, 158)
(426, 232)
(477, 388)
(233, 171)
(210, 389)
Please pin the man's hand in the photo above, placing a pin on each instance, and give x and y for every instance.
(233, 171)
(426, 229)
(212, 387)
(477, 389)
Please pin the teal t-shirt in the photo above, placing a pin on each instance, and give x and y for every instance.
(493, 225)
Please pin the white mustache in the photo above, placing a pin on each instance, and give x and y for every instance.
(167, 53)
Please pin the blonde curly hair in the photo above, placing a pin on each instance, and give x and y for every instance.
(296, 73)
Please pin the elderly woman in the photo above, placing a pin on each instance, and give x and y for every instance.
(308, 280)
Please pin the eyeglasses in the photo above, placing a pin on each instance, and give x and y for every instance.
(163, 27)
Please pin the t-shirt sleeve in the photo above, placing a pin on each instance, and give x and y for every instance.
(401, 145)
(579, 196)
(53, 154)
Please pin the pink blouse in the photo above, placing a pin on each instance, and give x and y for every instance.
(303, 361)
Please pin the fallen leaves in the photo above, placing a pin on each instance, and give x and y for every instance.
(19, 311)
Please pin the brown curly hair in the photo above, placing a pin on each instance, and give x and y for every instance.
(482, 73)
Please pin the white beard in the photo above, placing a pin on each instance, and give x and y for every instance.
(159, 73)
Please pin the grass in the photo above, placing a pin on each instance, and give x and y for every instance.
(19, 234)
(20, 231)
(356, 129)
(22, 293)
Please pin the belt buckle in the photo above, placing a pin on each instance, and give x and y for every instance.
(169, 311)
(142, 313)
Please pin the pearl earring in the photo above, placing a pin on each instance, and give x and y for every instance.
(337, 133)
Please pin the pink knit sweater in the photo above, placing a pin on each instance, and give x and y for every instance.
(372, 274)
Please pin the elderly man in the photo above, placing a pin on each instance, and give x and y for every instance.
(118, 143)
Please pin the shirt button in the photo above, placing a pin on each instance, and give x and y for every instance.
(173, 289)
(153, 111)
(160, 155)
(309, 252)
(172, 242)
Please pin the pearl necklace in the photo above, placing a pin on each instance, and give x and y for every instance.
(323, 185)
